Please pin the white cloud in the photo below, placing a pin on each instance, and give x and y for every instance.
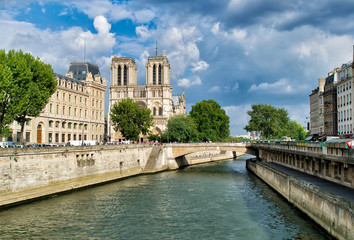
(200, 66)
(58, 48)
(283, 86)
(144, 16)
(101, 25)
(215, 89)
(184, 82)
(142, 32)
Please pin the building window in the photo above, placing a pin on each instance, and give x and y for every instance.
(75, 124)
(69, 136)
(160, 73)
(63, 110)
(119, 75)
(57, 137)
(50, 123)
(125, 75)
(160, 111)
(85, 126)
(154, 74)
(50, 137)
(63, 138)
(154, 111)
(69, 125)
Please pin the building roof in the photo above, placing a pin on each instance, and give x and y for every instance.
(69, 79)
(80, 69)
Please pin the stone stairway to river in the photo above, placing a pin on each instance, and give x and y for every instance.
(151, 162)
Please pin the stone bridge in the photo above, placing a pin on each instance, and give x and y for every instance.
(188, 154)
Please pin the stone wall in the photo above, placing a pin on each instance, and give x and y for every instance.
(332, 213)
(31, 173)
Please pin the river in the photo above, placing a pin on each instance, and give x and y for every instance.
(219, 200)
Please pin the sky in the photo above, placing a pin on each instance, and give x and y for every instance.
(236, 52)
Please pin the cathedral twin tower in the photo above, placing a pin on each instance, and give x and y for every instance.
(156, 94)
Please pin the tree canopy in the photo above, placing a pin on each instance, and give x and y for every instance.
(181, 128)
(130, 119)
(273, 122)
(27, 87)
(212, 121)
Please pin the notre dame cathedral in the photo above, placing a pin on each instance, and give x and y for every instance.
(156, 94)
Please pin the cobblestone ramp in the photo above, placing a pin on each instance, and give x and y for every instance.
(151, 162)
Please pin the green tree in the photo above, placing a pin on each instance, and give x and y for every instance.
(7, 93)
(26, 86)
(295, 130)
(131, 119)
(270, 121)
(181, 128)
(36, 83)
(212, 121)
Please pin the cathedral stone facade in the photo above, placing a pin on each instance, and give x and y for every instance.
(156, 94)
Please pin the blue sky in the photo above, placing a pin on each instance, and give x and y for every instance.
(237, 52)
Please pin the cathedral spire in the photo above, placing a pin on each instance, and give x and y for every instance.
(156, 48)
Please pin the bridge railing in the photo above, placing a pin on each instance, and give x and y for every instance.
(334, 147)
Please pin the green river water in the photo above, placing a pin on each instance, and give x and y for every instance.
(219, 200)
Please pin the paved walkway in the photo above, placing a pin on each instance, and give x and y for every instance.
(328, 186)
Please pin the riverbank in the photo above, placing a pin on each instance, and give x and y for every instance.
(30, 174)
(333, 213)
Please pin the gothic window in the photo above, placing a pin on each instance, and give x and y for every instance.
(125, 75)
(160, 73)
(160, 111)
(154, 74)
(119, 76)
(154, 111)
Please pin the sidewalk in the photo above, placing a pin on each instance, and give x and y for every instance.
(325, 185)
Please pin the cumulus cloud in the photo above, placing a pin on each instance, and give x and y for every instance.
(101, 25)
(142, 32)
(57, 48)
(184, 82)
(283, 86)
(200, 66)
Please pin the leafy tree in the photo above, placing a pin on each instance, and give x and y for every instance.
(181, 128)
(212, 121)
(26, 86)
(271, 122)
(36, 83)
(131, 119)
(7, 93)
(295, 130)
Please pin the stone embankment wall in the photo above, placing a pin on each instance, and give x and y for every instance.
(31, 173)
(332, 213)
(27, 174)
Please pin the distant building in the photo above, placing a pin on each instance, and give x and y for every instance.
(345, 91)
(156, 94)
(330, 104)
(74, 112)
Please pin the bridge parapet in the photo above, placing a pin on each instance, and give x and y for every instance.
(182, 149)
